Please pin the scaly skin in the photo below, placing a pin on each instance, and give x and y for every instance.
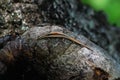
(62, 35)
(14, 49)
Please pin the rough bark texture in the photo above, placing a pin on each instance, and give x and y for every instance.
(82, 19)
(58, 54)
(18, 15)
(33, 55)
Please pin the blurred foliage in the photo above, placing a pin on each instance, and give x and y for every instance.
(110, 7)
